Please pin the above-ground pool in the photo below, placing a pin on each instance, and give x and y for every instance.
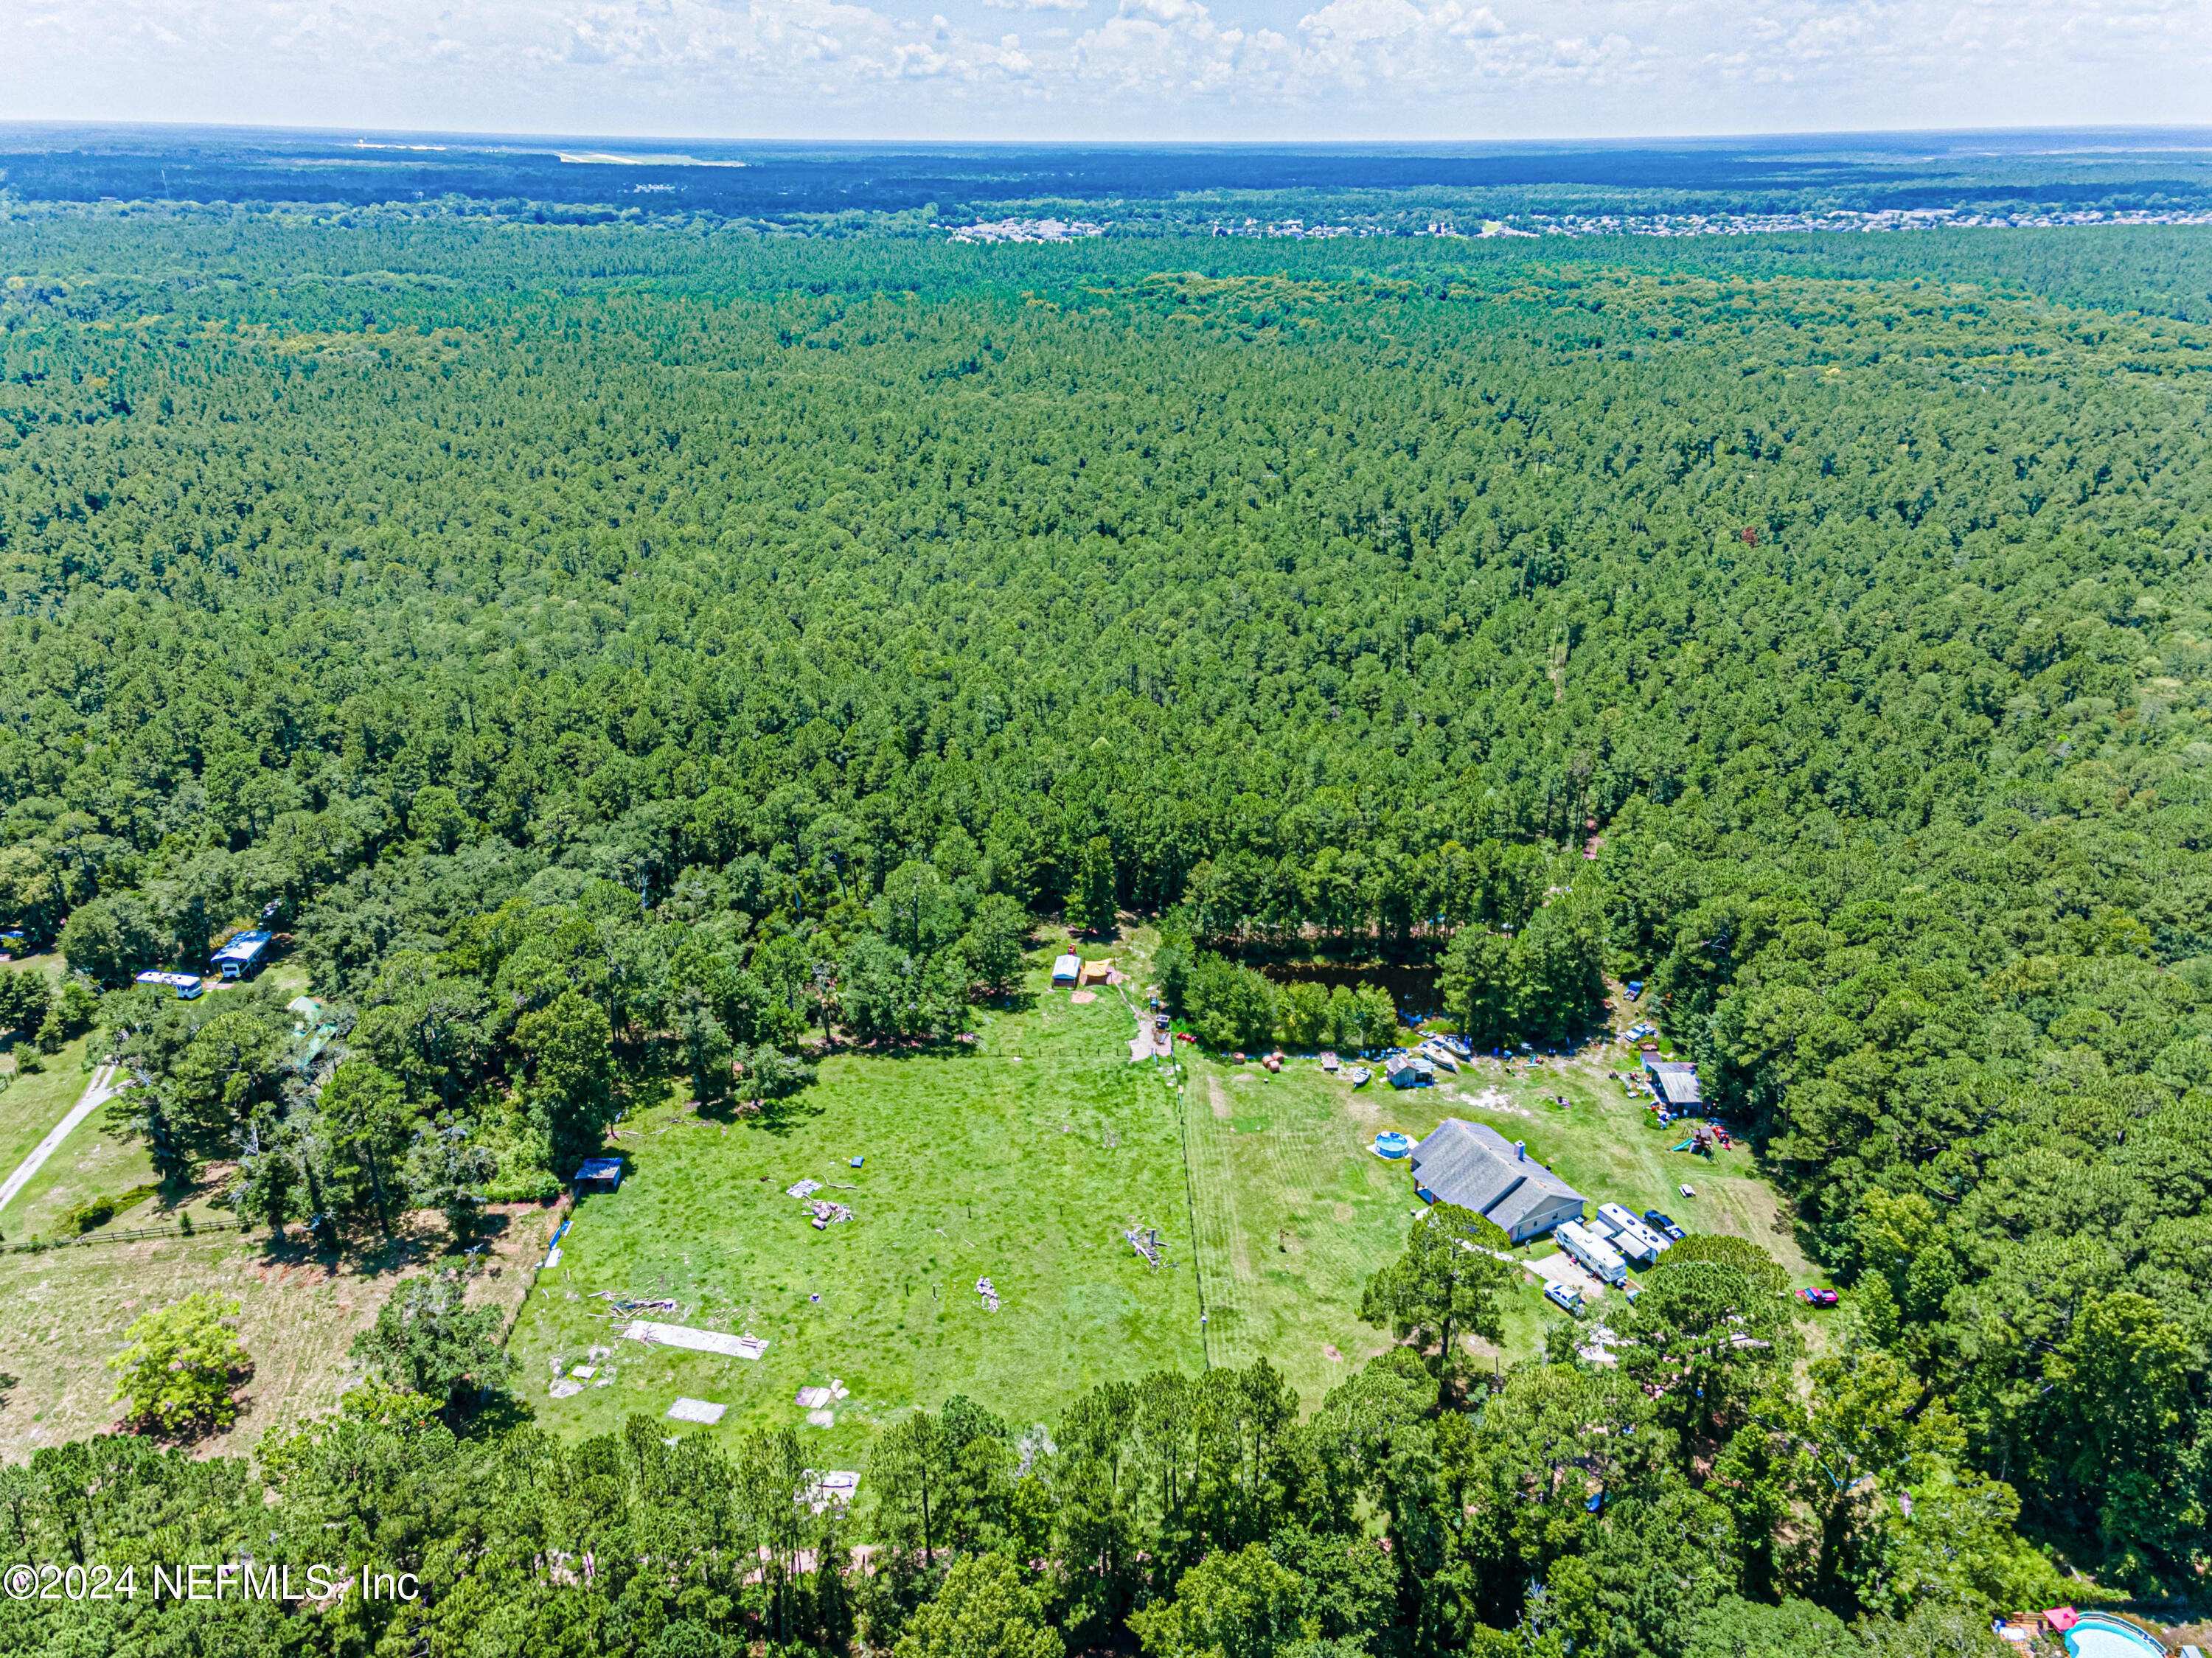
(1392, 1145)
(2099, 1636)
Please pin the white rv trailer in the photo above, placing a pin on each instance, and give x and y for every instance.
(1590, 1253)
(1630, 1235)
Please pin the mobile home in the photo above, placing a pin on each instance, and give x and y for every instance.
(240, 957)
(1630, 1235)
(186, 984)
(1590, 1253)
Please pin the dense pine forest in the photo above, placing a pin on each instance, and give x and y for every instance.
(606, 651)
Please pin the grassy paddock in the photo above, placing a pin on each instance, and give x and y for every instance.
(1022, 1162)
(1021, 1159)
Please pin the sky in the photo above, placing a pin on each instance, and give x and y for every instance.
(1113, 70)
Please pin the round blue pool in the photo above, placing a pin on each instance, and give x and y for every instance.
(2100, 1635)
(1392, 1145)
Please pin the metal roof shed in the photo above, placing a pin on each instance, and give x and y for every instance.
(1675, 1082)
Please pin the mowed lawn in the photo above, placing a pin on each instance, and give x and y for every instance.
(1606, 1145)
(1296, 1210)
(1022, 1161)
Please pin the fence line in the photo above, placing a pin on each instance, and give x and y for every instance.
(31, 1245)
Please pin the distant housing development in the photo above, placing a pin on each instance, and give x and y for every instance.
(1474, 1166)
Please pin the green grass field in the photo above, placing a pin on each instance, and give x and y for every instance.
(1295, 1210)
(1021, 1162)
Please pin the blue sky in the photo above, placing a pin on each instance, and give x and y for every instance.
(1127, 69)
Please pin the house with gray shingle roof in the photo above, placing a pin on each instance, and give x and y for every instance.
(1474, 1166)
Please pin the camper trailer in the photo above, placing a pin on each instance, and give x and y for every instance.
(242, 957)
(186, 984)
(1591, 1254)
(1630, 1235)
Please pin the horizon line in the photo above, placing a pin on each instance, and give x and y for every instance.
(489, 136)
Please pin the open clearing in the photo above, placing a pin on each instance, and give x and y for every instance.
(1022, 1162)
(297, 1316)
(1296, 1210)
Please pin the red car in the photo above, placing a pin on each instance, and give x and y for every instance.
(1817, 1297)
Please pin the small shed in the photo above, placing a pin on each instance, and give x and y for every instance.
(1674, 1082)
(600, 1175)
(1095, 973)
(1067, 969)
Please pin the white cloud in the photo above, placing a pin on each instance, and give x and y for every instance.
(1249, 69)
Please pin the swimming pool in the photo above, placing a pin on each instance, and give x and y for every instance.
(2098, 1635)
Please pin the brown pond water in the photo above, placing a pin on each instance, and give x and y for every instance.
(1413, 987)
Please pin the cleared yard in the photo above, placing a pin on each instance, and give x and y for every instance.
(1021, 1159)
(1022, 1162)
(1296, 1210)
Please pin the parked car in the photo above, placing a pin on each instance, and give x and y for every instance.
(1816, 1297)
(1561, 1296)
(1665, 1223)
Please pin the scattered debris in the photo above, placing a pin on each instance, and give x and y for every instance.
(698, 1341)
(566, 1389)
(813, 1398)
(990, 1295)
(833, 1485)
(821, 1418)
(633, 1304)
(806, 1188)
(1036, 1441)
(828, 1214)
(696, 1410)
(1145, 1241)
